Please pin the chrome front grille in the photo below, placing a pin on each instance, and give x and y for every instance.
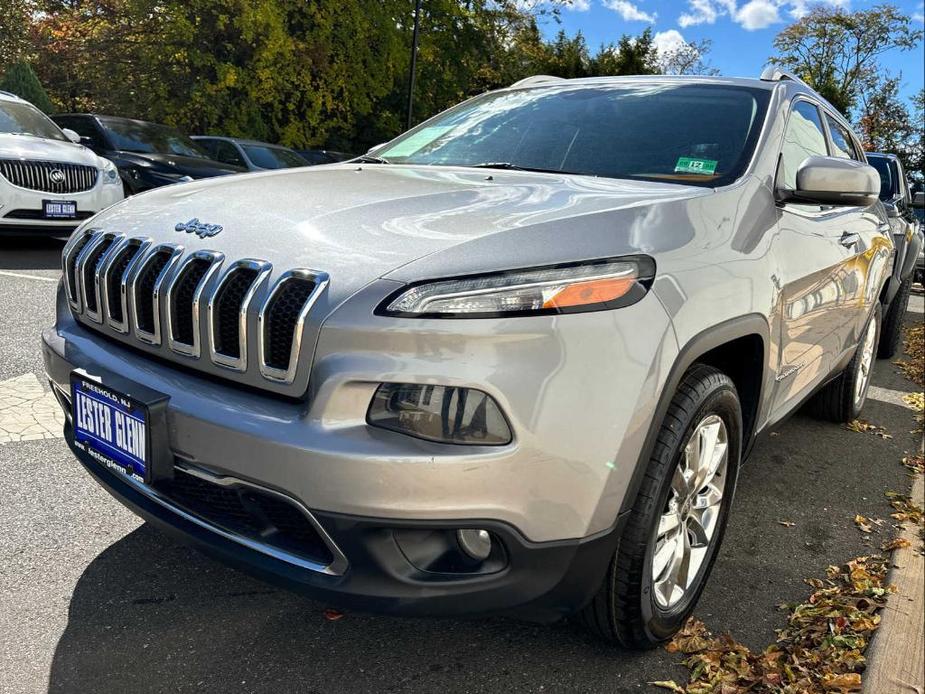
(193, 307)
(49, 176)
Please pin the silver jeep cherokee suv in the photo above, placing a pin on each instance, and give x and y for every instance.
(510, 361)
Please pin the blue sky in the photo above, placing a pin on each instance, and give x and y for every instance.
(742, 31)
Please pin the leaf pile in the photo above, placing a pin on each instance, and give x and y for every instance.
(914, 342)
(820, 650)
(862, 426)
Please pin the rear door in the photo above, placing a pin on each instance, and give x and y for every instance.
(815, 260)
(869, 228)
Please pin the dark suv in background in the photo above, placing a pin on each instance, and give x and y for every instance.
(147, 155)
(897, 199)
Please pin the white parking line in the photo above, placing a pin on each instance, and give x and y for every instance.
(893, 397)
(28, 277)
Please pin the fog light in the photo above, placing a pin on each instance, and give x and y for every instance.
(439, 413)
(476, 543)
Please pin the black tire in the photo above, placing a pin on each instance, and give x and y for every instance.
(624, 609)
(836, 402)
(891, 331)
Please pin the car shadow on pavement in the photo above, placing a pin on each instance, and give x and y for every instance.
(30, 254)
(150, 615)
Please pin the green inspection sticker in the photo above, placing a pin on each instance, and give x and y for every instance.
(707, 167)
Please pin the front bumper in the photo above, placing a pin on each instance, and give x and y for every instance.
(20, 209)
(541, 581)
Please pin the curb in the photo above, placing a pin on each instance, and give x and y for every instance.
(896, 656)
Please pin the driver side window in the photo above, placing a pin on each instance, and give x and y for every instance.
(805, 137)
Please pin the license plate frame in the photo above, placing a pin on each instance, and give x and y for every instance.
(59, 209)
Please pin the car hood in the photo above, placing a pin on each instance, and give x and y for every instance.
(363, 222)
(195, 167)
(38, 148)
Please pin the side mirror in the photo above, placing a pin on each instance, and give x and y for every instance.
(918, 200)
(835, 181)
(71, 135)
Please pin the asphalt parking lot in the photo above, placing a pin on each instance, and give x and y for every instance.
(92, 600)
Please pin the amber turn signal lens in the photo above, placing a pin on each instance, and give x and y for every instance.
(590, 292)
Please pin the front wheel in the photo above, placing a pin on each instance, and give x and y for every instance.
(678, 519)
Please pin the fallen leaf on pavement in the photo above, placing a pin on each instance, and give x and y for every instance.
(864, 427)
(916, 463)
(333, 615)
(914, 343)
(897, 543)
(787, 524)
(862, 523)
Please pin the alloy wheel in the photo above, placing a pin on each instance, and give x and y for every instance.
(867, 361)
(688, 525)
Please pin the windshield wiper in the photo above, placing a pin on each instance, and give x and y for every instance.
(516, 167)
(371, 159)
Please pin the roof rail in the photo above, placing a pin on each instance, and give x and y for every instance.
(773, 73)
(537, 79)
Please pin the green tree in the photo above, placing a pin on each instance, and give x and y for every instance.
(831, 49)
(632, 55)
(22, 81)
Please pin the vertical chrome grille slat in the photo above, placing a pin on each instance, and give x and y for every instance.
(144, 291)
(277, 324)
(229, 308)
(182, 300)
(113, 282)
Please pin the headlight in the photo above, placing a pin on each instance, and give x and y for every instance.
(439, 413)
(110, 173)
(590, 286)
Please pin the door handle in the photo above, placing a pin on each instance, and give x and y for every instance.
(849, 239)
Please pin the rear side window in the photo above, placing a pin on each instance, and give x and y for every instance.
(805, 137)
(843, 145)
(886, 176)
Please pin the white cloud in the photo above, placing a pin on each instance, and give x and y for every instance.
(757, 14)
(580, 5)
(668, 41)
(919, 14)
(754, 14)
(629, 11)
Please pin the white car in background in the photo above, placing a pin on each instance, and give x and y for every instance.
(48, 182)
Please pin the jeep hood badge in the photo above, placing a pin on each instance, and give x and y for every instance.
(194, 226)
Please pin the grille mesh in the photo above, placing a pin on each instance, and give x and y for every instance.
(282, 316)
(48, 176)
(114, 280)
(227, 328)
(144, 289)
(90, 267)
(249, 512)
(181, 303)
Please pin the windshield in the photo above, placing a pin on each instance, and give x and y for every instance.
(17, 118)
(684, 133)
(150, 138)
(886, 176)
(267, 157)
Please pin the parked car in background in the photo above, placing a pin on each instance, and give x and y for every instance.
(510, 361)
(251, 154)
(896, 197)
(324, 156)
(918, 209)
(148, 155)
(48, 182)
